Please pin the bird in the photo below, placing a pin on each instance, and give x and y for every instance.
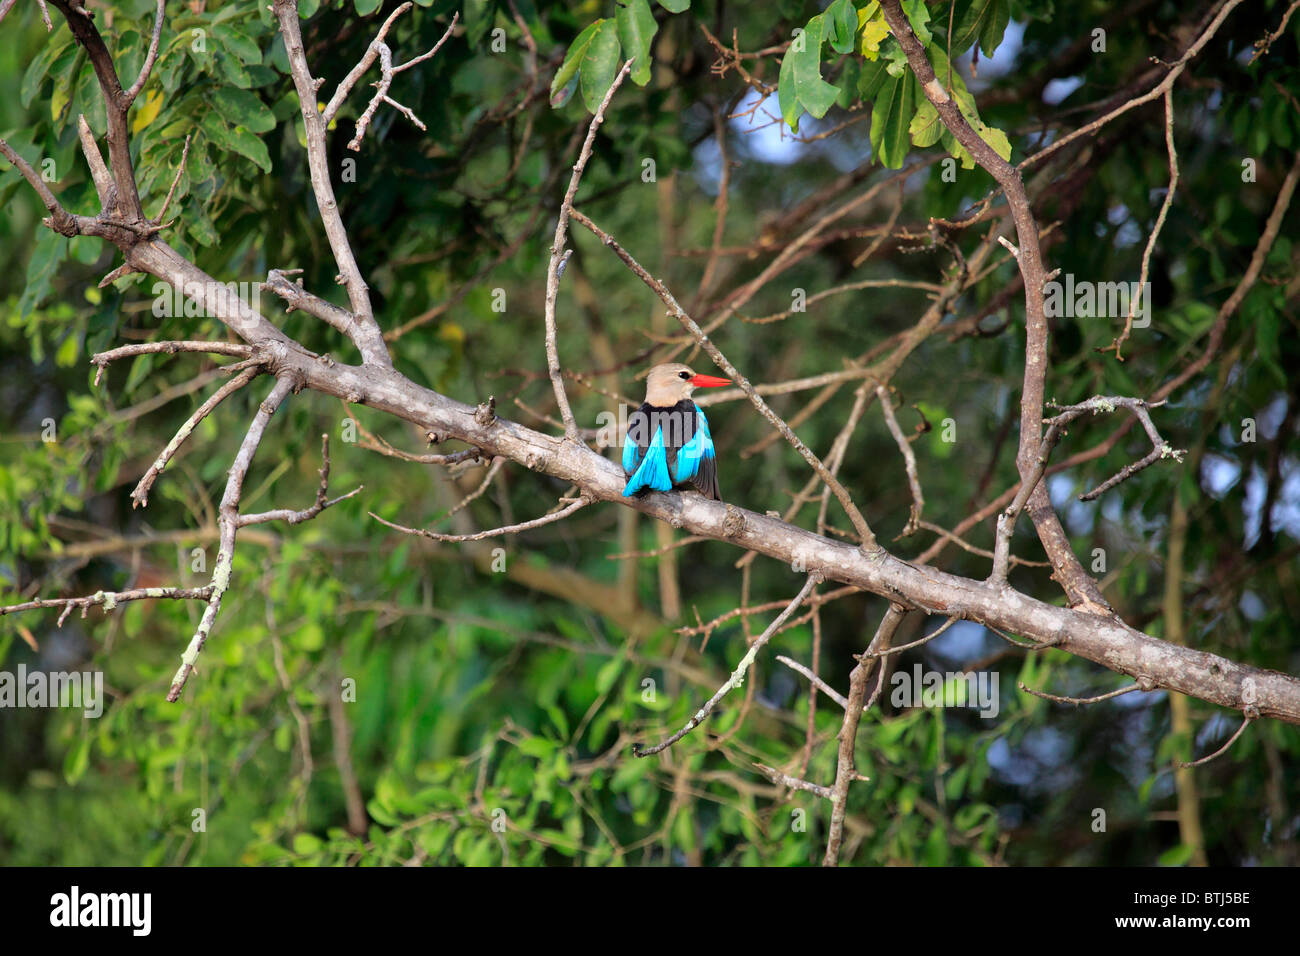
(668, 442)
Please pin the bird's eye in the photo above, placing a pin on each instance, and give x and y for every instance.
(683, 375)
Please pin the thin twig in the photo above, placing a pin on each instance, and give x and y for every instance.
(101, 360)
(1118, 344)
(228, 523)
(573, 505)
(1262, 45)
(1222, 750)
(322, 502)
(140, 496)
(110, 599)
(795, 783)
(167, 201)
(128, 96)
(909, 460)
(1141, 685)
(816, 681)
(845, 772)
(737, 676)
(907, 647)
(1156, 91)
(559, 255)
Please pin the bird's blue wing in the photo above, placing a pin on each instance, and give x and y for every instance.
(653, 470)
(631, 455)
(699, 448)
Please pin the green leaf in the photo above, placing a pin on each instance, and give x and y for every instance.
(568, 70)
(995, 27)
(997, 139)
(607, 674)
(77, 759)
(367, 7)
(636, 28)
(872, 79)
(239, 43)
(54, 58)
(985, 20)
(599, 64)
(814, 94)
(236, 140)
(926, 127)
(848, 83)
(537, 747)
(891, 117)
(48, 254)
(310, 637)
(895, 58)
(918, 16)
(842, 22)
(233, 70)
(243, 108)
(786, 98)
(305, 844)
(1176, 856)
(675, 6)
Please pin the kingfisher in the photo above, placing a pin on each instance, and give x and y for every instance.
(668, 442)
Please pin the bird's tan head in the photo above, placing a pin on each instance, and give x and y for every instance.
(669, 384)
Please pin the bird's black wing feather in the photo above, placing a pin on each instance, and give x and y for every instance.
(706, 479)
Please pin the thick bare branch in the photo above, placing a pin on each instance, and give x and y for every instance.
(60, 220)
(296, 297)
(127, 195)
(1079, 587)
(1097, 636)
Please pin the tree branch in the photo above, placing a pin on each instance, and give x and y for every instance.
(323, 500)
(140, 496)
(845, 771)
(1079, 587)
(365, 332)
(737, 675)
(228, 525)
(559, 258)
(573, 505)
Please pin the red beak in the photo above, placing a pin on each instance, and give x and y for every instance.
(709, 381)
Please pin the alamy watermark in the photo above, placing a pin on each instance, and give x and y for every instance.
(132, 911)
(53, 689)
(1101, 300)
(205, 299)
(922, 688)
